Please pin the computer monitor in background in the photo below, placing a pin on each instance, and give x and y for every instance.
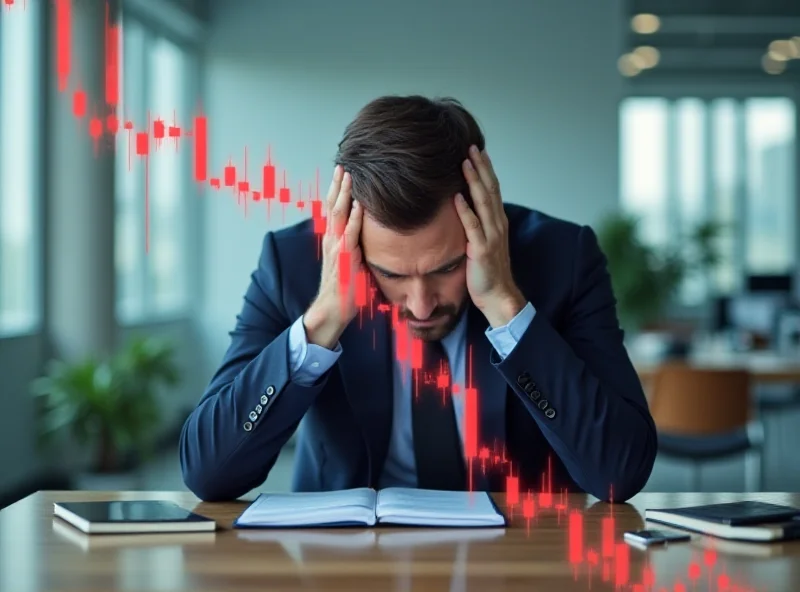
(762, 304)
(756, 306)
(756, 313)
(770, 283)
(720, 314)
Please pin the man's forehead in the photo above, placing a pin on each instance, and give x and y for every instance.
(423, 265)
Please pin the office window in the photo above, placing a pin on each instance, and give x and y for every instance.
(169, 180)
(725, 180)
(770, 130)
(19, 171)
(644, 164)
(151, 242)
(129, 181)
(686, 161)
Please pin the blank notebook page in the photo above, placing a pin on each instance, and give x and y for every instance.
(302, 508)
(440, 508)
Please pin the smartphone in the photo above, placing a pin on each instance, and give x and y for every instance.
(655, 537)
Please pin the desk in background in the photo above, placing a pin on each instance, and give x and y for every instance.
(39, 552)
(764, 367)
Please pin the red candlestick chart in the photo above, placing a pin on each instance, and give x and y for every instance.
(606, 560)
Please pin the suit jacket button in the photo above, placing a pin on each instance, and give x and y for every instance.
(247, 426)
(529, 387)
(264, 399)
(253, 416)
(523, 379)
(543, 404)
(270, 390)
(550, 413)
(259, 409)
(535, 395)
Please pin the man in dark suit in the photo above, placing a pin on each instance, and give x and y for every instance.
(488, 348)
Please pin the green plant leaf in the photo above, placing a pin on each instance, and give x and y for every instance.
(646, 279)
(115, 399)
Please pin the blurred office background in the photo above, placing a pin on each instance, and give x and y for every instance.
(670, 126)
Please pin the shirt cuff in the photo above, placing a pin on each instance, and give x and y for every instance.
(308, 361)
(505, 338)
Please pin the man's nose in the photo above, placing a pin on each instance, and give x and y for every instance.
(420, 300)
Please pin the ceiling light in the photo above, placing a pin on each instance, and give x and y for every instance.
(781, 50)
(645, 24)
(630, 65)
(793, 47)
(648, 55)
(776, 56)
(772, 66)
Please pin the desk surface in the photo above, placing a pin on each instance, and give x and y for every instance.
(551, 551)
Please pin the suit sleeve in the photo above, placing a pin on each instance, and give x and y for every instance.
(252, 405)
(581, 388)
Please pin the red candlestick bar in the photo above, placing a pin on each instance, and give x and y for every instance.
(200, 149)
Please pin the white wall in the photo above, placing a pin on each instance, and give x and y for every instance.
(20, 363)
(540, 76)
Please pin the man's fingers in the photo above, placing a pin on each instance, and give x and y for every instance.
(350, 249)
(352, 232)
(471, 222)
(485, 170)
(330, 199)
(333, 190)
(481, 198)
(338, 215)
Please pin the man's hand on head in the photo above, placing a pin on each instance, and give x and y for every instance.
(334, 307)
(489, 279)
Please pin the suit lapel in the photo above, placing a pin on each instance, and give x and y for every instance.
(367, 374)
(492, 391)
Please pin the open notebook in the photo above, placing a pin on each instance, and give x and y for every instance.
(368, 507)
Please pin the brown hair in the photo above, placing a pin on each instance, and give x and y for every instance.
(404, 154)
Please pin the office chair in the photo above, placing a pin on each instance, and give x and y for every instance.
(707, 414)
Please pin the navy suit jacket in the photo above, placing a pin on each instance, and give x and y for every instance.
(570, 372)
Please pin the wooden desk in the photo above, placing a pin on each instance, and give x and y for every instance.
(765, 367)
(39, 552)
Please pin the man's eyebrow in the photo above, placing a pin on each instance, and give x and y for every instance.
(451, 263)
(439, 269)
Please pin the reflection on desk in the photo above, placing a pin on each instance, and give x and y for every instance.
(67, 532)
(573, 545)
(390, 539)
(299, 543)
(746, 549)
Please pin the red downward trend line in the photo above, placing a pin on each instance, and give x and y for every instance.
(613, 556)
(103, 120)
(148, 140)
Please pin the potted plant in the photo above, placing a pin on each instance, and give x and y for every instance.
(645, 278)
(109, 404)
